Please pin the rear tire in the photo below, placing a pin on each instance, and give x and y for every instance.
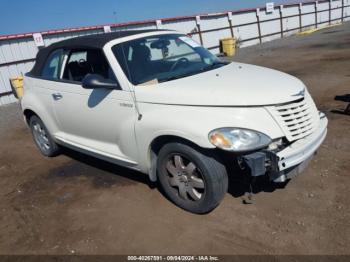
(193, 180)
(42, 138)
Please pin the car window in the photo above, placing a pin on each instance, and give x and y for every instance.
(83, 62)
(174, 51)
(163, 58)
(52, 67)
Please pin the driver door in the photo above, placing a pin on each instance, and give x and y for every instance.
(96, 120)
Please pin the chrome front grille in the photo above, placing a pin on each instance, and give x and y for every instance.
(297, 119)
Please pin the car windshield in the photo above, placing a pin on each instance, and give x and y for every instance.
(162, 58)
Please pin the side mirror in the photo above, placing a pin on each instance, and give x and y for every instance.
(92, 81)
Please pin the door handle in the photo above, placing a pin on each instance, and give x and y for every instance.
(57, 96)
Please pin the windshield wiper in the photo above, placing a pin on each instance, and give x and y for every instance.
(214, 66)
(179, 76)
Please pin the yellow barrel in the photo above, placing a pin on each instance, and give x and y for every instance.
(17, 86)
(228, 46)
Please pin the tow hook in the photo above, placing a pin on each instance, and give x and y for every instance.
(247, 198)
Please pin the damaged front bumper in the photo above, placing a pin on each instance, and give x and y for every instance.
(290, 161)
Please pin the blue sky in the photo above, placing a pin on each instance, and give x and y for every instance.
(20, 16)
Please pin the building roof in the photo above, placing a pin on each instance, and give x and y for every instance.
(96, 41)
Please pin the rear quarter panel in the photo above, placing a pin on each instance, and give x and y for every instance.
(38, 98)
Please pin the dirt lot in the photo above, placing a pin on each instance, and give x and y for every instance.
(76, 204)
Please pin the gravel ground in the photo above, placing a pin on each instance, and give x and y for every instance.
(74, 204)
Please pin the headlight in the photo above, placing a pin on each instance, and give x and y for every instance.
(238, 139)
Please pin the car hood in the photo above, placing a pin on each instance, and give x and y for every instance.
(235, 84)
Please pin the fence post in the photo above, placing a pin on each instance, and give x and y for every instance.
(281, 19)
(159, 24)
(229, 14)
(316, 8)
(258, 23)
(330, 12)
(342, 11)
(198, 22)
(300, 17)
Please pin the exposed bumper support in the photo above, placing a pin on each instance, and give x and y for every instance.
(290, 161)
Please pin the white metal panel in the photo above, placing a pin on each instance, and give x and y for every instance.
(28, 66)
(308, 20)
(270, 27)
(2, 57)
(184, 26)
(290, 10)
(336, 14)
(308, 7)
(5, 99)
(347, 10)
(3, 86)
(273, 27)
(291, 22)
(246, 32)
(243, 18)
(208, 23)
(15, 51)
(33, 50)
(20, 69)
(24, 49)
(140, 27)
(211, 39)
(6, 51)
(323, 17)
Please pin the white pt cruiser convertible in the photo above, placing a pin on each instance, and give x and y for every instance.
(158, 102)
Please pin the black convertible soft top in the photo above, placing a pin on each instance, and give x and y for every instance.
(96, 41)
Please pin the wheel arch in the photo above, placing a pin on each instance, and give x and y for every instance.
(40, 112)
(28, 113)
(155, 146)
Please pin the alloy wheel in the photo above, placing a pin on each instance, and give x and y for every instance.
(185, 177)
(41, 137)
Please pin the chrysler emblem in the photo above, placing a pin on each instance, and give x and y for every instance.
(301, 93)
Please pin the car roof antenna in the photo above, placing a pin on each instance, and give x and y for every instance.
(133, 94)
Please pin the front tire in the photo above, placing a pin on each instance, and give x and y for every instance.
(42, 138)
(193, 180)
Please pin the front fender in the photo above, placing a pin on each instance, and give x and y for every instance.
(194, 123)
